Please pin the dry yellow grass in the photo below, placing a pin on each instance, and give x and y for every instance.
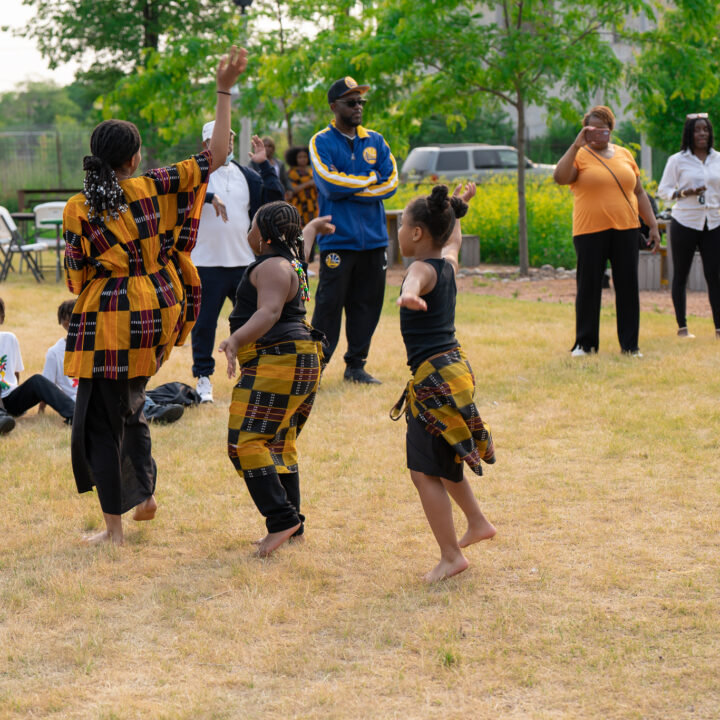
(597, 599)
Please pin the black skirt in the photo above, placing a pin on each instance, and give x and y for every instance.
(431, 454)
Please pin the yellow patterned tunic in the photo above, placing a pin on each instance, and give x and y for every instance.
(139, 293)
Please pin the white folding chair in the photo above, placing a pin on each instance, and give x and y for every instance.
(12, 244)
(48, 217)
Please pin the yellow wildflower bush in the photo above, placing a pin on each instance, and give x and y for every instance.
(493, 216)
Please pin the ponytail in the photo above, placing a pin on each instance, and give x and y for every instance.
(112, 143)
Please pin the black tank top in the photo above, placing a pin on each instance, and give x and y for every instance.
(291, 323)
(427, 333)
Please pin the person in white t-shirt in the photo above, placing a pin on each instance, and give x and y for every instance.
(222, 252)
(18, 398)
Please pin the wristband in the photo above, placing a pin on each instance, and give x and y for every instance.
(222, 92)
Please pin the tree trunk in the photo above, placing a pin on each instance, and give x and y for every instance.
(149, 20)
(522, 206)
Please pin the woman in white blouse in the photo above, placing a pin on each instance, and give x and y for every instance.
(692, 177)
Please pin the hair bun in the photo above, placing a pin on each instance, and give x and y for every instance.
(459, 206)
(92, 163)
(438, 200)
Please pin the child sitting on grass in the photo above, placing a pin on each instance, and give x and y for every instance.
(18, 397)
(443, 425)
(280, 358)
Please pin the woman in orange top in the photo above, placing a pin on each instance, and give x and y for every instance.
(127, 257)
(608, 199)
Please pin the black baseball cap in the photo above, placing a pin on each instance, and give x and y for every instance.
(344, 87)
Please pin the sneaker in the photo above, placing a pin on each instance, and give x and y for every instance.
(359, 375)
(7, 422)
(683, 332)
(633, 353)
(577, 351)
(166, 413)
(204, 389)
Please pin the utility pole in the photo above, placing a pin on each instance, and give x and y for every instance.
(245, 133)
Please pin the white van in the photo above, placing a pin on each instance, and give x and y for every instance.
(467, 161)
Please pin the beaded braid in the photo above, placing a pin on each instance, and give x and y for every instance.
(279, 223)
(113, 143)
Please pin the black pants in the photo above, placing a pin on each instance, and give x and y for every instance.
(37, 389)
(278, 500)
(217, 283)
(593, 250)
(683, 243)
(354, 281)
(110, 443)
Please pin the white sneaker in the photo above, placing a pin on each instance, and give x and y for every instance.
(578, 351)
(204, 389)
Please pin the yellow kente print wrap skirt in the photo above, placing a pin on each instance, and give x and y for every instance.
(270, 405)
(440, 399)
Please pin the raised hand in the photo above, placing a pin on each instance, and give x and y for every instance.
(258, 154)
(468, 193)
(230, 67)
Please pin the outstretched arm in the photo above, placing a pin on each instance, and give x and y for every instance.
(228, 71)
(317, 226)
(420, 280)
(274, 282)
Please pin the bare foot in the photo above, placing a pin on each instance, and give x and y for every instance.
(146, 510)
(293, 539)
(102, 537)
(272, 541)
(477, 531)
(446, 569)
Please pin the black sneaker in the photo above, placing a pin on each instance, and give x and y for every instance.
(359, 375)
(165, 413)
(7, 422)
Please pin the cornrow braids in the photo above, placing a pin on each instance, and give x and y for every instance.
(280, 226)
(437, 213)
(112, 143)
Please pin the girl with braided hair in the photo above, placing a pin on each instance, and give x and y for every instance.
(280, 357)
(444, 427)
(127, 257)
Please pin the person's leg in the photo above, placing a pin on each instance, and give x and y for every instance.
(709, 244)
(214, 292)
(624, 251)
(103, 440)
(479, 527)
(683, 243)
(139, 469)
(333, 281)
(438, 510)
(363, 304)
(7, 422)
(592, 252)
(291, 483)
(37, 389)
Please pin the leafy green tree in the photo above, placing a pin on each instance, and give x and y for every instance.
(678, 72)
(37, 105)
(117, 33)
(442, 57)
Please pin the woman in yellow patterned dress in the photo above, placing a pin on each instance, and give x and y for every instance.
(303, 194)
(127, 257)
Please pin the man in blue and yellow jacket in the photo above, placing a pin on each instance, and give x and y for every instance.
(354, 172)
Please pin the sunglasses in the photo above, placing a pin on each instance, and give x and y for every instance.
(696, 116)
(354, 102)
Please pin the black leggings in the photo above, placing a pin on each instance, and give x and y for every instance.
(683, 243)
